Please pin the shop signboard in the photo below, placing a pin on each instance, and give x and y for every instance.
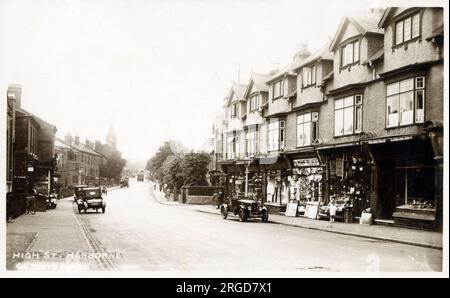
(291, 209)
(311, 209)
(306, 162)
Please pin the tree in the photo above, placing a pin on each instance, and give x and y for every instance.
(194, 167)
(113, 167)
(155, 163)
(172, 174)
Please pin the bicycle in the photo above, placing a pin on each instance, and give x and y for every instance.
(31, 204)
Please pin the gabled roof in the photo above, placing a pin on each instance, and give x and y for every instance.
(387, 13)
(83, 148)
(285, 70)
(23, 113)
(47, 131)
(363, 24)
(60, 144)
(323, 53)
(259, 80)
(239, 90)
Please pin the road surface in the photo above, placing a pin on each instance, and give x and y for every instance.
(138, 233)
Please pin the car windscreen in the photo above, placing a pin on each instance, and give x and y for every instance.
(93, 193)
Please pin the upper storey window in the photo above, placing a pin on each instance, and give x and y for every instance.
(277, 89)
(349, 53)
(407, 29)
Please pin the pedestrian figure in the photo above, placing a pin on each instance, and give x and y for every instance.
(332, 208)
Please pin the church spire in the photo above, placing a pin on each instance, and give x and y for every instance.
(111, 137)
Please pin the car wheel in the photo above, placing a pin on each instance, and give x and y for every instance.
(242, 215)
(224, 213)
(103, 209)
(265, 216)
(79, 209)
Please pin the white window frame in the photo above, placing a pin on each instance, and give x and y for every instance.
(342, 108)
(276, 135)
(277, 89)
(305, 125)
(345, 53)
(410, 20)
(309, 76)
(418, 115)
(254, 103)
(251, 142)
(234, 109)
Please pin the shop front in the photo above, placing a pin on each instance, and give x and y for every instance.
(408, 182)
(275, 177)
(305, 182)
(348, 177)
(243, 178)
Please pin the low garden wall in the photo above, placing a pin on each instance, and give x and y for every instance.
(198, 194)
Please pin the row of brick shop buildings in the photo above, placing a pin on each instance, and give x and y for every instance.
(360, 120)
(35, 158)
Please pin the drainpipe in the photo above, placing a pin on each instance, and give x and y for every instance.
(374, 75)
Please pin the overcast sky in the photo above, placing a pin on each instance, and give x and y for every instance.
(157, 70)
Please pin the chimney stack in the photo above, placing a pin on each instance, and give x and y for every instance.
(14, 93)
(77, 140)
(68, 139)
(302, 53)
(275, 68)
(98, 145)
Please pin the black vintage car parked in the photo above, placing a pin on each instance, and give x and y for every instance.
(245, 208)
(91, 198)
(124, 182)
(77, 189)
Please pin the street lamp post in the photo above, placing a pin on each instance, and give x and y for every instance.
(246, 174)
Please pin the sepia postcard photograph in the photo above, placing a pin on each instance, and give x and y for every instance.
(224, 139)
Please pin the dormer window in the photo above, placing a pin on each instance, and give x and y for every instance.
(350, 53)
(407, 29)
(254, 102)
(308, 76)
(234, 110)
(277, 89)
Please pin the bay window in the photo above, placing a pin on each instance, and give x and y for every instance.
(407, 29)
(348, 115)
(405, 101)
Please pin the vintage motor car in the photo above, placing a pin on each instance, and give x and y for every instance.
(245, 208)
(77, 189)
(91, 198)
(124, 182)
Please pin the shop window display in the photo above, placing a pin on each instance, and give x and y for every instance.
(349, 181)
(415, 188)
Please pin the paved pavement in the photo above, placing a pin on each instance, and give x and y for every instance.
(138, 233)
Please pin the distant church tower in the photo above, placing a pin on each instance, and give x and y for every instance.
(111, 137)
